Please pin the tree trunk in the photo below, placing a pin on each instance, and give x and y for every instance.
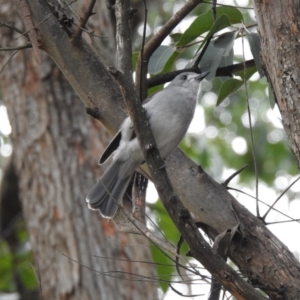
(279, 28)
(56, 147)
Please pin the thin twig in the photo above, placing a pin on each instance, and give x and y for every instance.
(226, 5)
(13, 28)
(179, 244)
(197, 61)
(77, 34)
(182, 295)
(142, 87)
(44, 20)
(214, 11)
(251, 133)
(29, 45)
(271, 207)
(280, 212)
(280, 222)
(91, 33)
(223, 71)
(28, 22)
(225, 183)
(9, 60)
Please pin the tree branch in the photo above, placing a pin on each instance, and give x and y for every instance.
(14, 28)
(123, 38)
(200, 249)
(77, 34)
(223, 71)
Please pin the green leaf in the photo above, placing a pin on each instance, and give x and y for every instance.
(254, 42)
(155, 89)
(247, 73)
(159, 58)
(6, 270)
(219, 53)
(204, 23)
(231, 85)
(169, 65)
(175, 37)
(220, 24)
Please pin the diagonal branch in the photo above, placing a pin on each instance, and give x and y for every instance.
(13, 28)
(123, 37)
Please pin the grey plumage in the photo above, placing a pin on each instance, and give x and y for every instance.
(170, 113)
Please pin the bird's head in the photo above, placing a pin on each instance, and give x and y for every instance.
(188, 80)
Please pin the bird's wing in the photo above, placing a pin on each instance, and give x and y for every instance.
(112, 146)
(115, 142)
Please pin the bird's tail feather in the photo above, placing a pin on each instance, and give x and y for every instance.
(107, 193)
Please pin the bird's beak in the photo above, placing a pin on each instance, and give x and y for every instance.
(201, 76)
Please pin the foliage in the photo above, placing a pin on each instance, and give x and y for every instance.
(15, 258)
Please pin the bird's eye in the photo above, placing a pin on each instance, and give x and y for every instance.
(184, 77)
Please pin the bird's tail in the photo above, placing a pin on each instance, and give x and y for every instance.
(107, 193)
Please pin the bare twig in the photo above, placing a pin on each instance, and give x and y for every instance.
(280, 212)
(251, 133)
(143, 88)
(240, 7)
(280, 222)
(179, 244)
(123, 37)
(44, 20)
(271, 207)
(197, 61)
(9, 60)
(223, 71)
(214, 11)
(28, 45)
(156, 40)
(182, 295)
(77, 34)
(26, 15)
(13, 28)
(225, 183)
(131, 277)
(91, 33)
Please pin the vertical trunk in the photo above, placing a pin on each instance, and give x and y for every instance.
(56, 148)
(279, 28)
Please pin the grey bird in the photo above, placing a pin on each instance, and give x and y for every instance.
(170, 113)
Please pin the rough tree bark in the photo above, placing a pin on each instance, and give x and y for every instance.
(279, 28)
(56, 148)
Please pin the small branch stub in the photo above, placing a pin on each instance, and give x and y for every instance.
(94, 112)
(149, 148)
